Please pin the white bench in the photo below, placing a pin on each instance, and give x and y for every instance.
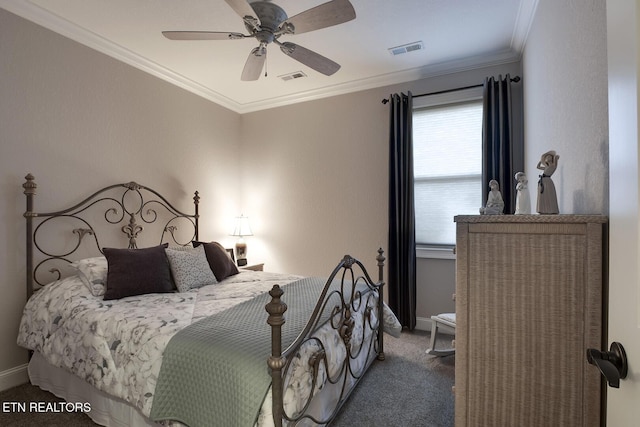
(446, 319)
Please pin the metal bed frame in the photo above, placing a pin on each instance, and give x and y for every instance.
(131, 207)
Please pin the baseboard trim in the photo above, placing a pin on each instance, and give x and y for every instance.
(13, 377)
(423, 323)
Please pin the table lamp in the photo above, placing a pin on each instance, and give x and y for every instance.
(241, 229)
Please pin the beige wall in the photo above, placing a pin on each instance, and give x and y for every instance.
(78, 120)
(565, 93)
(315, 180)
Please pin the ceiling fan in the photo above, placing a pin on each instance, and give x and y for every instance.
(267, 22)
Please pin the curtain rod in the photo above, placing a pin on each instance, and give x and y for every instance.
(515, 79)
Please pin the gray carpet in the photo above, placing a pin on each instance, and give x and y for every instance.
(409, 389)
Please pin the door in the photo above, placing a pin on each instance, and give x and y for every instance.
(623, 404)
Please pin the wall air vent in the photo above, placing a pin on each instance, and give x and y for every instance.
(406, 48)
(292, 76)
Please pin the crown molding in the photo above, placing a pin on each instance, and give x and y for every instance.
(433, 70)
(526, 14)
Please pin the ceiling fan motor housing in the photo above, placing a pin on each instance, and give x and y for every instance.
(270, 15)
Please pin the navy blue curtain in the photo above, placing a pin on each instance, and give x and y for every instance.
(402, 239)
(502, 154)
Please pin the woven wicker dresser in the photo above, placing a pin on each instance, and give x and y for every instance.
(529, 302)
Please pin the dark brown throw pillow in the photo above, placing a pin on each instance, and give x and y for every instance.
(137, 272)
(219, 261)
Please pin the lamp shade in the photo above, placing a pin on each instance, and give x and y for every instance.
(242, 227)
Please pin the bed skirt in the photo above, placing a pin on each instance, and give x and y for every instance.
(106, 410)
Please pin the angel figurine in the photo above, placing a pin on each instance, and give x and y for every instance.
(547, 198)
(523, 201)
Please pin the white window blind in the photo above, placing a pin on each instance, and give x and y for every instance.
(447, 150)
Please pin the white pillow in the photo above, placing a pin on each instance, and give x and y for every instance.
(391, 324)
(189, 267)
(93, 273)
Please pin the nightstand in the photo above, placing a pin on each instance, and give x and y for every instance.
(254, 267)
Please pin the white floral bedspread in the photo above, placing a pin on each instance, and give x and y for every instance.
(117, 345)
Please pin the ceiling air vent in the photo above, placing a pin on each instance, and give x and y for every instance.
(292, 76)
(406, 48)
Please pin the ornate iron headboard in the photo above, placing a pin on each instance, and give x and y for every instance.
(129, 207)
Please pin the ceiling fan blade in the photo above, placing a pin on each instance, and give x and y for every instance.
(325, 15)
(310, 58)
(201, 35)
(241, 7)
(254, 65)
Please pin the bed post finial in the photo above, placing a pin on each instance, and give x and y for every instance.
(380, 258)
(276, 309)
(29, 186)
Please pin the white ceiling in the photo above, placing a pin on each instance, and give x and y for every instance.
(456, 34)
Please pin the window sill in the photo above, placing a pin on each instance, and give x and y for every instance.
(435, 252)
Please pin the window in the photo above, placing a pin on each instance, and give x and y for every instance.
(447, 151)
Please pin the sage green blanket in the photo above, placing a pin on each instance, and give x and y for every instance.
(214, 372)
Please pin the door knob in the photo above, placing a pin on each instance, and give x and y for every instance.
(612, 363)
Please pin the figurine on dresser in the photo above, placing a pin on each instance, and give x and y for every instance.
(547, 198)
(523, 201)
(495, 204)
